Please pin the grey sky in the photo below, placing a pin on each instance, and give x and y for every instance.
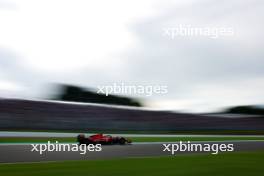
(91, 44)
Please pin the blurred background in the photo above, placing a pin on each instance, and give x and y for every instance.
(53, 52)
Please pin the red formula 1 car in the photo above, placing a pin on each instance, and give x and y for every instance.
(102, 139)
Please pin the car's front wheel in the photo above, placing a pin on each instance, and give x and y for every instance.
(122, 141)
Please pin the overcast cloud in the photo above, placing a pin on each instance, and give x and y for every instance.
(99, 43)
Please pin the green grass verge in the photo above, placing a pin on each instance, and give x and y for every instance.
(228, 164)
(134, 139)
(245, 132)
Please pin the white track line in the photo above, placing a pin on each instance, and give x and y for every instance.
(144, 143)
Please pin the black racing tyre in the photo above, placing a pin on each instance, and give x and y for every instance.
(80, 139)
(122, 141)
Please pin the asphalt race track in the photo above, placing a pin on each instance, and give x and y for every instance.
(13, 153)
(58, 134)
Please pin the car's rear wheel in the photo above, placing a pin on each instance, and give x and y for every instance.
(80, 138)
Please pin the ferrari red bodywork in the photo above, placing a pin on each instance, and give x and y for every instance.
(102, 139)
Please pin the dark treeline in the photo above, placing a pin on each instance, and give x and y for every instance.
(78, 94)
(246, 110)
